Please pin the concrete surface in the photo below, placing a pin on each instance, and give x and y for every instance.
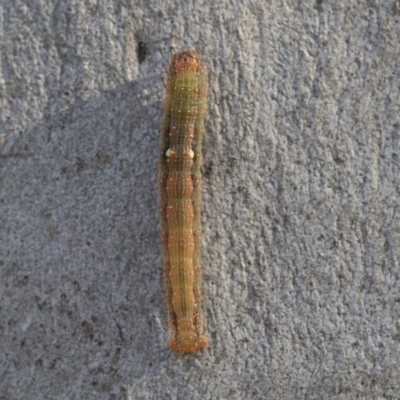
(300, 189)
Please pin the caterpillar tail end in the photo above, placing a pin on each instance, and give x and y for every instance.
(188, 347)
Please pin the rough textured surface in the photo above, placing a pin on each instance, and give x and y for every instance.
(301, 194)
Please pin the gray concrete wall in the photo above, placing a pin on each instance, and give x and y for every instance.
(300, 188)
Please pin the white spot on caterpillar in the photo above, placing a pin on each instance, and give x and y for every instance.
(170, 152)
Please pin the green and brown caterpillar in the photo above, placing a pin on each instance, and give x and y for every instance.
(182, 129)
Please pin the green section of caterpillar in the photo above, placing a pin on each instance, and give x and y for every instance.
(182, 129)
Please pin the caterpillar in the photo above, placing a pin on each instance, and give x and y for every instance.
(179, 178)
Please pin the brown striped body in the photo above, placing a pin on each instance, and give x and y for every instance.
(182, 129)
